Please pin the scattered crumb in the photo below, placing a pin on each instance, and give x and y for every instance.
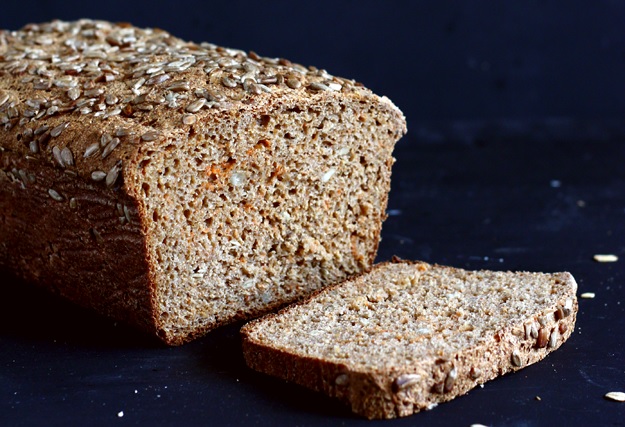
(605, 258)
(120, 414)
(617, 396)
(555, 183)
(136, 391)
(478, 425)
(588, 295)
(538, 398)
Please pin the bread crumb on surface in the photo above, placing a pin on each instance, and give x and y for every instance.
(588, 295)
(605, 258)
(120, 414)
(617, 396)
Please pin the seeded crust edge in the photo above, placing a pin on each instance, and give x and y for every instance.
(392, 393)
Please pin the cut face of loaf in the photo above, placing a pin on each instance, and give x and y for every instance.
(179, 186)
(407, 336)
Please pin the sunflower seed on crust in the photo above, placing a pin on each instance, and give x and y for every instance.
(67, 156)
(113, 174)
(55, 195)
(98, 175)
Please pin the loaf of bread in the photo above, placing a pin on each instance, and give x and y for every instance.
(407, 336)
(179, 186)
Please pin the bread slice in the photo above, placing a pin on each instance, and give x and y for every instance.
(409, 335)
(179, 186)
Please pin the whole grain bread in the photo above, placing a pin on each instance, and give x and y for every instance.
(179, 186)
(409, 335)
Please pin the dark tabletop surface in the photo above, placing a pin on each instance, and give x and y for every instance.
(514, 160)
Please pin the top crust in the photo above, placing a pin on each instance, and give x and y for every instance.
(101, 92)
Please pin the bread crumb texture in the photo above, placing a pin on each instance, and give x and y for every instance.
(409, 335)
(178, 186)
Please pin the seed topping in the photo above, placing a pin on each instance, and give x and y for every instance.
(99, 70)
(55, 195)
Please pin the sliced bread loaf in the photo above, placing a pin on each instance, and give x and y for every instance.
(408, 335)
(178, 186)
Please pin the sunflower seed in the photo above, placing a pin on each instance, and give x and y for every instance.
(94, 93)
(73, 203)
(341, 380)
(56, 131)
(195, 106)
(55, 195)
(113, 174)
(4, 98)
(179, 86)
(151, 135)
(475, 373)
(450, 380)
(105, 139)
(66, 82)
(98, 175)
(335, 86)
(156, 80)
(67, 156)
(617, 396)
(553, 339)
(328, 174)
(91, 150)
(543, 338)
(111, 99)
(56, 153)
(126, 213)
(110, 147)
(228, 82)
(293, 82)
(318, 86)
(121, 132)
(41, 130)
(188, 119)
(533, 331)
(34, 147)
(137, 85)
(404, 381)
(605, 258)
(516, 359)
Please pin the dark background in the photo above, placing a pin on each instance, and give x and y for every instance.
(515, 159)
(438, 60)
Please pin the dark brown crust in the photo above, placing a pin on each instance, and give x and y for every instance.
(74, 248)
(372, 394)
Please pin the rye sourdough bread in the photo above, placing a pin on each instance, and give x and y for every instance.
(406, 336)
(178, 186)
